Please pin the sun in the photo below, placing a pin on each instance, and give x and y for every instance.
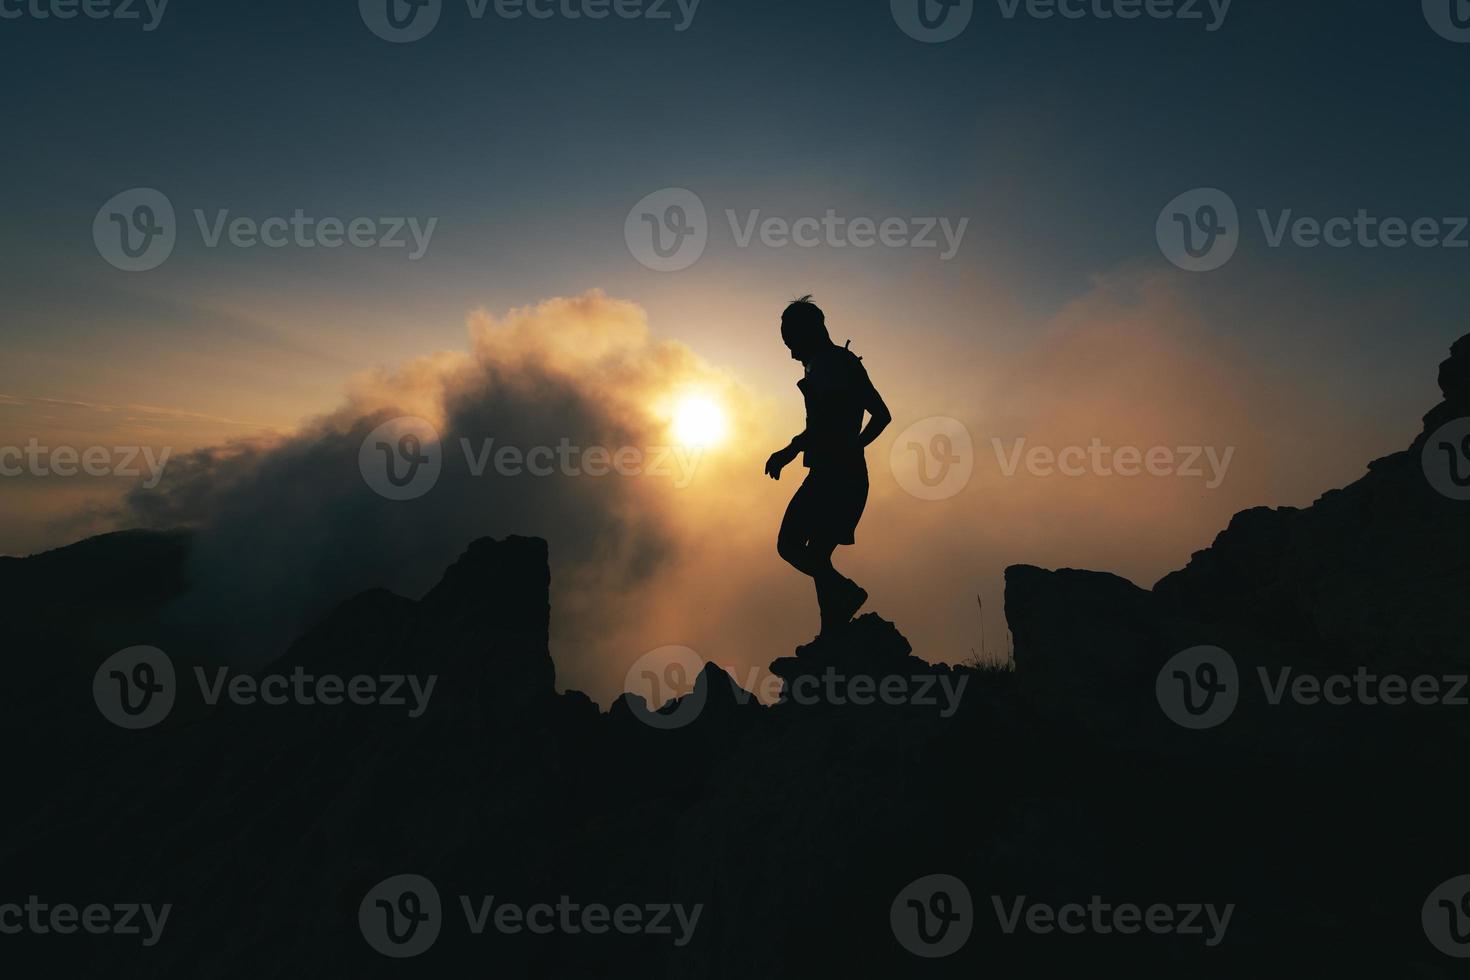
(698, 421)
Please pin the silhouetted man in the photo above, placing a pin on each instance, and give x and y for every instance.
(826, 508)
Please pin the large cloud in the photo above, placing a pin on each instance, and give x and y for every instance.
(288, 528)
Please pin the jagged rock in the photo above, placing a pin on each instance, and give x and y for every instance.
(502, 584)
(1362, 576)
(111, 578)
(868, 647)
(1454, 382)
(715, 699)
(483, 627)
(1085, 642)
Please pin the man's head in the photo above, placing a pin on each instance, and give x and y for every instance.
(804, 328)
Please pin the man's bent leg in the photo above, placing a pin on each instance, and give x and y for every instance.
(792, 541)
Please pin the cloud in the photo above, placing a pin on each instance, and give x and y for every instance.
(288, 527)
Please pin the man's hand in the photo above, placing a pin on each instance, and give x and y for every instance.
(778, 461)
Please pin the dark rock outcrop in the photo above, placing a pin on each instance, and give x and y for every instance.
(1374, 574)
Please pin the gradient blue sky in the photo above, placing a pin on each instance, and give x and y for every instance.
(530, 141)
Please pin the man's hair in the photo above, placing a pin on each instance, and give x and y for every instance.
(804, 324)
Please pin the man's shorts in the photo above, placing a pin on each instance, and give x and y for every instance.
(828, 505)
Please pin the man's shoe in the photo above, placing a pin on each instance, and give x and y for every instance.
(848, 599)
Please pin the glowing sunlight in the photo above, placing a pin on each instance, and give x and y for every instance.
(698, 421)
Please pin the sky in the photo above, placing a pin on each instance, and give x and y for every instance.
(1055, 151)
